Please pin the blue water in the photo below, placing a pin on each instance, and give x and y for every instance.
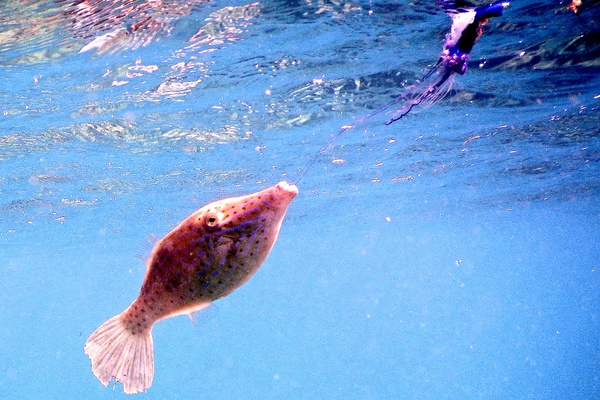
(454, 254)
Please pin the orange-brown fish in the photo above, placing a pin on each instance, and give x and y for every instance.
(207, 256)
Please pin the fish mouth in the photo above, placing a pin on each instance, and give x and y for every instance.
(285, 187)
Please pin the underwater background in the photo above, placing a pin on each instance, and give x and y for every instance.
(454, 254)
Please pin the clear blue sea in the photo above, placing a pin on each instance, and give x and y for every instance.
(454, 254)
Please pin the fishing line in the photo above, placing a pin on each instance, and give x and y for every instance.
(343, 129)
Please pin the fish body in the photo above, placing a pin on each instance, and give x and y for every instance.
(207, 256)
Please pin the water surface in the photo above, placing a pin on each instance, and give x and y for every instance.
(451, 255)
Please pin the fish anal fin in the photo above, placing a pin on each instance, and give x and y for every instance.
(202, 314)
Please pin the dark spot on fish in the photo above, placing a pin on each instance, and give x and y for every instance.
(173, 283)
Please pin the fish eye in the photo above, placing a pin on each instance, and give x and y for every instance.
(211, 220)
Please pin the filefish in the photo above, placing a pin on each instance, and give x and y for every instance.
(206, 257)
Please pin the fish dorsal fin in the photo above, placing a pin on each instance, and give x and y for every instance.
(149, 242)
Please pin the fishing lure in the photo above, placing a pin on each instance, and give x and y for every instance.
(467, 24)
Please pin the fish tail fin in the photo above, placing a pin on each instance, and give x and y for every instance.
(122, 354)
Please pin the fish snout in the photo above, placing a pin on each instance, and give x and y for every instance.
(287, 189)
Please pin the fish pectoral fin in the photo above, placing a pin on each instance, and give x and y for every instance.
(223, 246)
(232, 236)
